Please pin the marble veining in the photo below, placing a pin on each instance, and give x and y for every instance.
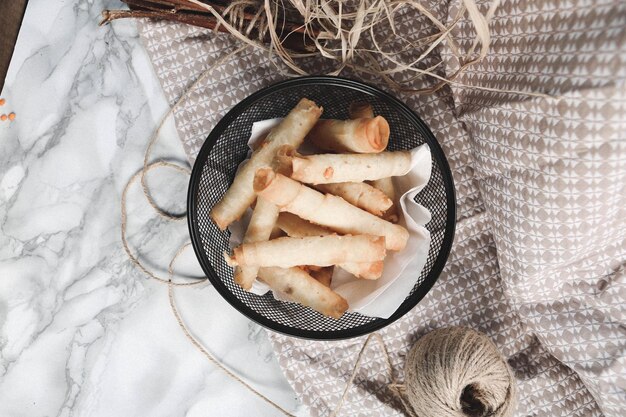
(82, 331)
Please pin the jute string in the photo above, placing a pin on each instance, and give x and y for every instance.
(449, 373)
(457, 372)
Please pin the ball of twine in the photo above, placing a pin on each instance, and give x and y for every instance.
(458, 372)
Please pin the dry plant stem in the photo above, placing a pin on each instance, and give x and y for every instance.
(276, 43)
(239, 7)
(195, 20)
(172, 5)
(438, 38)
(230, 28)
(332, 25)
(255, 29)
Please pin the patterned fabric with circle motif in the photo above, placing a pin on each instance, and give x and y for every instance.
(539, 259)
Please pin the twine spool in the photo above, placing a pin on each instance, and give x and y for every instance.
(458, 372)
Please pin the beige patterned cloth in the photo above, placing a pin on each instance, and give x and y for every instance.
(539, 259)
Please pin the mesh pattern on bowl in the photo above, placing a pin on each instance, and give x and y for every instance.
(226, 147)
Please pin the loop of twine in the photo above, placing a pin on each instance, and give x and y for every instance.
(135, 259)
(457, 372)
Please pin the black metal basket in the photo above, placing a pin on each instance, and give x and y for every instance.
(226, 147)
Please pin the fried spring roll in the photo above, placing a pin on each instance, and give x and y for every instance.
(334, 168)
(372, 270)
(304, 289)
(286, 252)
(259, 229)
(361, 109)
(365, 135)
(326, 210)
(359, 194)
(291, 131)
(294, 226)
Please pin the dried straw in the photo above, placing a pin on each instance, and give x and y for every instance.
(364, 36)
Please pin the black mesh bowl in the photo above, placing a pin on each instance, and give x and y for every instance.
(226, 147)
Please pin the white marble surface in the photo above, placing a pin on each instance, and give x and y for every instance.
(82, 331)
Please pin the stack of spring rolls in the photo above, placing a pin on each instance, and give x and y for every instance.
(316, 212)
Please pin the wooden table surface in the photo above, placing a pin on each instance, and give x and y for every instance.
(11, 13)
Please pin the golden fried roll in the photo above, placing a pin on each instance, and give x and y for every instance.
(286, 252)
(386, 186)
(372, 270)
(364, 135)
(259, 229)
(359, 194)
(294, 226)
(326, 209)
(290, 131)
(304, 289)
(334, 168)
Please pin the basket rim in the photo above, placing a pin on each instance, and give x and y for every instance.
(377, 324)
